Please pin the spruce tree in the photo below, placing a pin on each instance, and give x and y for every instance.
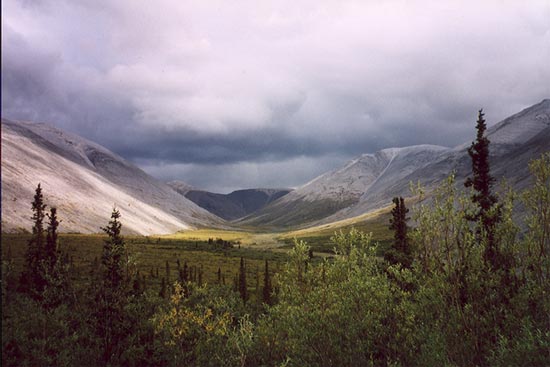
(488, 211)
(32, 278)
(168, 271)
(137, 285)
(185, 277)
(51, 251)
(162, 292)
(242, 281)
(54, 266)
(112, 295)
(400, 251)
(267, 285)
(113, 252)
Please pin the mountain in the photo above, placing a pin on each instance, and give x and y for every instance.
(372, 180)
(229, 206)
(180, 187)
(344, 187)
(84, 181)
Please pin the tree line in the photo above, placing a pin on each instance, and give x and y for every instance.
(464, 285)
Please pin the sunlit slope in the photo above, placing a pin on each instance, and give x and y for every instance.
(84, 181)
(370, 181)
(344, 187)
(375, 222)
(234, 205)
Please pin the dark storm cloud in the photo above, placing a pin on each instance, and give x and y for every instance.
(183, 146)
(252, 90)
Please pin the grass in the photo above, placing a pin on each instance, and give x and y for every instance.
(319, 237)
(151, 254)
(205, 234)
(205, 250)
(293, 214)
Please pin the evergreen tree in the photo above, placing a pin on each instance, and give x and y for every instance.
(488, 211)
(162, 293)
(113, 252)
(185, 277)
(51, 251)
(54, 266)
(242, 281)
(400, 251)
(167, 270)
(137, 284)
(267, 285)
(112, 295)
(32, 279)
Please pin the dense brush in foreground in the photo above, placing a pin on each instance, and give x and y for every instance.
(453, 305)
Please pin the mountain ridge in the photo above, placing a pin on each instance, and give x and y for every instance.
(234, 205)
(388, 175)
(85, 180)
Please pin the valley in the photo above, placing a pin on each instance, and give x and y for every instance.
(85, 180)
(195, 262)
(190, 270)
(275, 184)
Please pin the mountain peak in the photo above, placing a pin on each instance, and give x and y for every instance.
(522, 126)
(83, 180)
(181, 187)
(392, 152)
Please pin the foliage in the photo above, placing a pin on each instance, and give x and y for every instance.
(32, 279)
(345, 312)
(266, 291)
(487, 210)
(400, 252)
(198, 325)
(111, 296)
(537, 200)
(351, 309)
(242, 281)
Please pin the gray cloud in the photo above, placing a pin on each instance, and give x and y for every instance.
(225, 178)
(183, 88)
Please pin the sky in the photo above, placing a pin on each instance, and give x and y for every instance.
(239, 94)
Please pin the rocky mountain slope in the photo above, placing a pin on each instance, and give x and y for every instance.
(84, 181)
(230, 206)
(372, 180)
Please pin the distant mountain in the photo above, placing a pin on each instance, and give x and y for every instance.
(230, 206)
(372, 180)
(84, 181)
(180, 187)
(344, 187)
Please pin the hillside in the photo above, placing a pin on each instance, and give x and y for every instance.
(234, 205)
(84, 181)
(370, 181)
(344, 187)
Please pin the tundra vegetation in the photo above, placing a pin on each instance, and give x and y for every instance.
(464, 282)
